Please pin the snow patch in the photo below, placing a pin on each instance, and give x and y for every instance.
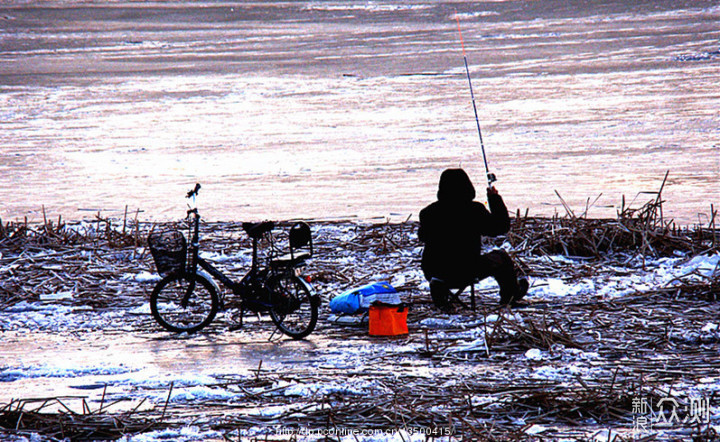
(557, 288)
(144, 277)
(563, 373)
(534, 354)
(202, 393)
(11, 374)
(57, 318)
(351, 387)
(184, 434)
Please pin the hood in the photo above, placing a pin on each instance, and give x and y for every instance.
(455, 186)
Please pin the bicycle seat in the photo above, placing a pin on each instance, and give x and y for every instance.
(256, 230)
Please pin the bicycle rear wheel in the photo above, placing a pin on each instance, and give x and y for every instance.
(184, 303)
(294, 310)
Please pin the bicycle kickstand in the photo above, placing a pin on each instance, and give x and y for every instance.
(239, 325)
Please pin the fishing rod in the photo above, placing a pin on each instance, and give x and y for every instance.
(490, 176)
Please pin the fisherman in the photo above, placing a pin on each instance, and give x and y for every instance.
(452, 230)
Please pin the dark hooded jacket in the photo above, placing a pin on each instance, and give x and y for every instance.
(453, 226)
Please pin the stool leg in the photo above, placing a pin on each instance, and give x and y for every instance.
(472, 296)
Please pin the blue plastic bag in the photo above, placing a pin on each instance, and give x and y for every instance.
(358, 300)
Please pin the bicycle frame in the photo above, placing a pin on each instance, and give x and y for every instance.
(248, 285)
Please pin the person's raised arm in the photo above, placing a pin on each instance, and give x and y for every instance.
(500, 219)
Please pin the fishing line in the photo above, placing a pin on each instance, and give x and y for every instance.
(490, 176)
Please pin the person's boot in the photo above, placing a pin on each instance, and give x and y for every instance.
(505, 298)
(512, 299)
(523, 286)
(440, 294)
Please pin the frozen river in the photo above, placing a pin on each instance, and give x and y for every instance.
(330, 109)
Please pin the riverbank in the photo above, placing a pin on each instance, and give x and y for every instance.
(631, 319)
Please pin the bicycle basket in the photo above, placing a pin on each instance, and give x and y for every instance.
(168, 250)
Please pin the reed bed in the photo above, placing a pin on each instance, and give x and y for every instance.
(37, 416)
(634, 346)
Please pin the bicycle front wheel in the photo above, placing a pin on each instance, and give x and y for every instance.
(184, 303)
(294, 310)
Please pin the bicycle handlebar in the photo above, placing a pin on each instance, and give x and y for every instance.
(194, 191)
(192, 194)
